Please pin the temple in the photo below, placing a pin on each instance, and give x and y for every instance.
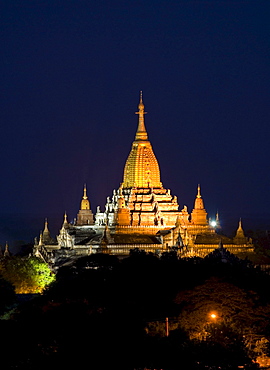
(140, 214)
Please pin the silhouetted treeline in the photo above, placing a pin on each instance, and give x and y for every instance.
(98, 313)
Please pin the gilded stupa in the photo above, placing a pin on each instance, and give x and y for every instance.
(199, 223)
(141, 168)
(141, 214)
(85, 215)
(149, 206)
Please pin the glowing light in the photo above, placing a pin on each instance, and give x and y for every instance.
(213, 223)
(213, 315)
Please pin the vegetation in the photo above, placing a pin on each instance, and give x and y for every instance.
(111, 314)
(261, 241)
(7, 295)
(27, 275)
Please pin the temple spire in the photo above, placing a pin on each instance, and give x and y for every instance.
(65, 223)
(240, 236)
(85, 204)
(240, 224)
(141, 168)
(6, 252)
(46, 230)
(84, 192)
(199, 191)
(240, 231)
(46, 236)
(40, 238)
(141, 133)
(85, 215)
(199, 201)
(199, 215)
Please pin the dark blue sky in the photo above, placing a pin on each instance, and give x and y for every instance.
(71, 72)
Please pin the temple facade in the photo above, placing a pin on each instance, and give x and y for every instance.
(140, 214)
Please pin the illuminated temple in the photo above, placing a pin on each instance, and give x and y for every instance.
(140, 214)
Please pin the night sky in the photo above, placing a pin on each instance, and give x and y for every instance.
(71, 73)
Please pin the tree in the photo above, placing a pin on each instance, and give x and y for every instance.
(27, 275)
(261, 241)
(97, 261)
(7, 295)
(227, 301)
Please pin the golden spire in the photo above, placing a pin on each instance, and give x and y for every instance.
(65, 223)
(141, 169)
(46, 230)
(240, 224)
(240, 236)
(199, 191)
(40, 238)
(84, 192)
(46, 236)
(141, 133)
(240, 231)
(85, 204)
(199, 215)
(6, 252)
(199, 201)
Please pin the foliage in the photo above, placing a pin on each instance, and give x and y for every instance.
(27, 275)
(261, 241)
(95, 261)
(213, 296)
(223, 350)
(112, 301)
(7, 295)
(229, 302)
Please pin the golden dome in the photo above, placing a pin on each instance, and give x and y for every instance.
(141, 169)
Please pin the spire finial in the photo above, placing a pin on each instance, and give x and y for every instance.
(141, 101)
(84, 192)
(199, 191)
(141, 133)
(65, 223)
(240, 235)
(85, 204)
(40, 238)
(6, 252)
(46, 225)
(199, 202)
(240, 224)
